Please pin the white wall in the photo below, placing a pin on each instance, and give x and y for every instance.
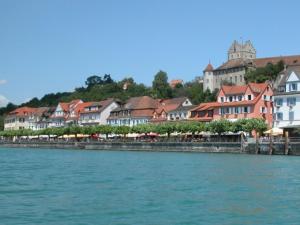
(285, 109)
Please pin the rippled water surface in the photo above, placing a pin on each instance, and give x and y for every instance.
(137, 188)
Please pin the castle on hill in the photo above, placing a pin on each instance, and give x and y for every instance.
(240, 58)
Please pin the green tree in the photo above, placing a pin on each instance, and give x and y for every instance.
(262, 74)
(160, 86)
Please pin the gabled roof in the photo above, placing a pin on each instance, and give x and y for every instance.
(233, 90)
(171, 104)
(286, 73)
(23, 111)
(101, 105)
(144, 102)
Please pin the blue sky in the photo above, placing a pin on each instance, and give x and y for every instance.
(54, 45)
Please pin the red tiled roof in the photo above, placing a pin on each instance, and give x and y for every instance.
(144, 102)
(255, 87)
(23, 111)
(209, 68)
(171, 104)
(102, 105)
(142, 113)
(258, 87)
(231, 90)
(260, 62)
(206, 106)
(288, 60)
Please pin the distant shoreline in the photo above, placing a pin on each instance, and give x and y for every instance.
(203, 147)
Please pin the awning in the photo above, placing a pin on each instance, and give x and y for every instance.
(274, 131)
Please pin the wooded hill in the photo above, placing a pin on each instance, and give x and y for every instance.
(98, 88)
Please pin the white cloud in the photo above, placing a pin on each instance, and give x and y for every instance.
(3, 101)
(3, 82)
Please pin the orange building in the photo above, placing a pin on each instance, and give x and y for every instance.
(237, 102)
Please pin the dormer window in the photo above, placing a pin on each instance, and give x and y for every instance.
(249, 97)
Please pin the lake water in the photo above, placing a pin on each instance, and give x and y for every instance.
(155, 188)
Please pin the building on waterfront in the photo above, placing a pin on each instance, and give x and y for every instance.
(240, 59)
(27, 118)
(97, 113)
(136, 110)
(287, 99)
(236, 102)
(174, 109)
(65, 113)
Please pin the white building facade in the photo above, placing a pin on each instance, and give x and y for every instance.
(97, 113)
(287, 100)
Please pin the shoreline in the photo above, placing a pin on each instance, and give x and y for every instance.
(203, 147)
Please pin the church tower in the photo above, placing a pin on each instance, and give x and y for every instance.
(208, 78)
(241, 51)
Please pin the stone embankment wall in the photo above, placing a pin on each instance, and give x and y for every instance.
(208, 147)
(225, 147)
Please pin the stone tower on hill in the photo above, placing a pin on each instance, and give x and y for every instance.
(241, 58)
(241, 51)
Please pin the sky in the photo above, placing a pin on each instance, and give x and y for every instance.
(49, 46)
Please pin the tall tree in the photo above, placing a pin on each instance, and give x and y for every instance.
(160, 86)
(93, 80)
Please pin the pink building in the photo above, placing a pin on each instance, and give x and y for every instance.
(237, 102)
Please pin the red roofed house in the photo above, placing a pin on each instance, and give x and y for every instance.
(136, 110)
(236, 102)
(25, 118)
(172, 109)
(65, 113)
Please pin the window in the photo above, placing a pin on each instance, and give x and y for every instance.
(222, 111)
(291, 101)
(222, 99)
(227, 110)
(235, 79)
(240, 98)
(236, 110)
(241, 78)
(246, 109)
(293, 87)
(263, 110)
(279, 116)
(291, 116)
(249, 97)
(278, 102)
(230, 98)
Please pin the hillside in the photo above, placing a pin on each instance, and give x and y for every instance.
(98, 88)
